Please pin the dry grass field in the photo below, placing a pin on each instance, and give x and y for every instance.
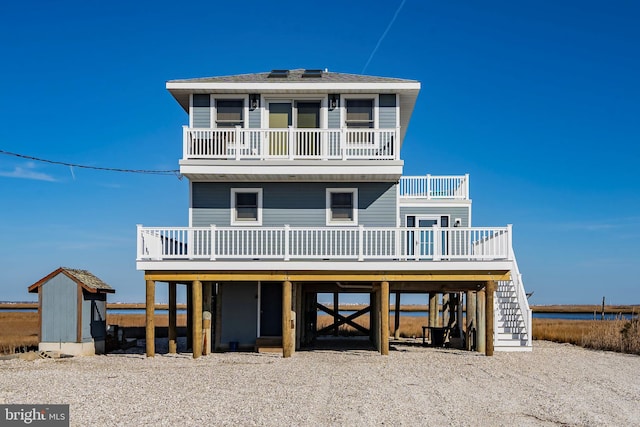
(19, 330)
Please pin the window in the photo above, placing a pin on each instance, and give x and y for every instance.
(359, 113)
(246, 206)
(229, 113)
(342, 206)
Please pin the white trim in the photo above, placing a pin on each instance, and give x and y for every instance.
(434, 203)
(373, 266)
(329, 221)
(191, 110)
(281, 86)
(398, 220)
(190, 203)
(233, 220)
(398, 113)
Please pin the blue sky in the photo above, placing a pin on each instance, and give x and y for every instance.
(538, 101)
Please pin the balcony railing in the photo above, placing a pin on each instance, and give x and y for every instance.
(291, 144)
(435, 187)
(332, 243)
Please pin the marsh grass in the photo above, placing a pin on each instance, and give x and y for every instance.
(18, 331)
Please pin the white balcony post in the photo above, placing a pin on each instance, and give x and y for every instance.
(466, 182)
(437, 243)
(324, 147)
(212, 242)
(189, 242)
(361, 242)
(139, 242)
(396, 144)
(428, 186)
(186, 143)
(291, 141)
(510, 241)
(236, 139)
(343, 143)
(287, 234)
(263, 144)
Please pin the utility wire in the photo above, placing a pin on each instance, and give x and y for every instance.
(174, 172)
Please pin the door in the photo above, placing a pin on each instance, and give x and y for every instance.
(280, 117)
(307, 117)
(270, 309)
(422, 241)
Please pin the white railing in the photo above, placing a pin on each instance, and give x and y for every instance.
(291, 144)
(322, 243)
(435, 187)
(523, 302)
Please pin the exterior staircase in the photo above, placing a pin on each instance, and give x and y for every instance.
(512, 315)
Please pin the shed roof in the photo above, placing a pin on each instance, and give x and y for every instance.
(83, 278)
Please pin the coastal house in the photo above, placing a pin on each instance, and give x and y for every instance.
(72, 312)
(296, 189)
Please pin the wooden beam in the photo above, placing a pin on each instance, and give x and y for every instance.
(189, 316)
(489, 295)
(196, 305)
(150, 327)
(173, 314)
(471, 320)
(384, 322)
(336, 306)
(287, 327)
(328, 276)
(342, 319)
(481, 334)
(396, 318)
(218, 319)
(433, 310)
(79, 314)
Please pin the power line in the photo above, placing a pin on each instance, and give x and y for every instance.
(174, 172)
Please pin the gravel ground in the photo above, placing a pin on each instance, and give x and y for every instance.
(555, 384)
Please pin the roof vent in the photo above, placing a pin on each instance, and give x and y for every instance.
(278, 74)
(312, 73)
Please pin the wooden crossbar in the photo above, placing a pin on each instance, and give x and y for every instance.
(342, 319)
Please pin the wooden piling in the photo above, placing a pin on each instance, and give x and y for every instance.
(445, 310)
(471, 320)
(433, 310)
(396, 318)
(489, 295)
(481, 335)
(150, 332)
(287, 338)
(173, 314)
(196, 321)
(189, 316)
(336, 308)
(384, 321)
(206, 307)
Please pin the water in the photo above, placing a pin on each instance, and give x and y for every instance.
(564, 316)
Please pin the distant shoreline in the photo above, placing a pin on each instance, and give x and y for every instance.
(556, 308)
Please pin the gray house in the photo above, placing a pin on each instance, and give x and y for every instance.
(296, 189)
(72, 310)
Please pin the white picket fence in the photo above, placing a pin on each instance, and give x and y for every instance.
(322, 243)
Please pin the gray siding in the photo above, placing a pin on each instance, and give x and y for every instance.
(297, 204)
(334, 115)
(59, 310)
(201, 111)
(239, 313)
(453, 212)
(387, 111)
(254, 118)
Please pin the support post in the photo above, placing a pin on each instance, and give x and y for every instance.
(196, 322)
(481, 334)
(287, 325)
(336, 309)
(173, 347)
(471, 323)
(189, 316)
(150, 307)
(433, 310)
(384, 321)
(206, 323)
(489, 295)
(396, 318)
(445, 310)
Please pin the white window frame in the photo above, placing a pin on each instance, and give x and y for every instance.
(214, 109)
(330, 221)
(343, 107)
(234, 219)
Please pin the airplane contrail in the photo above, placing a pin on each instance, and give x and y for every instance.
(375, 49)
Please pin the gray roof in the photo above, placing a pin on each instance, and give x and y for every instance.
(295, 76)
(87, 279)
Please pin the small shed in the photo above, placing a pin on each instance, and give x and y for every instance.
(72, 312)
